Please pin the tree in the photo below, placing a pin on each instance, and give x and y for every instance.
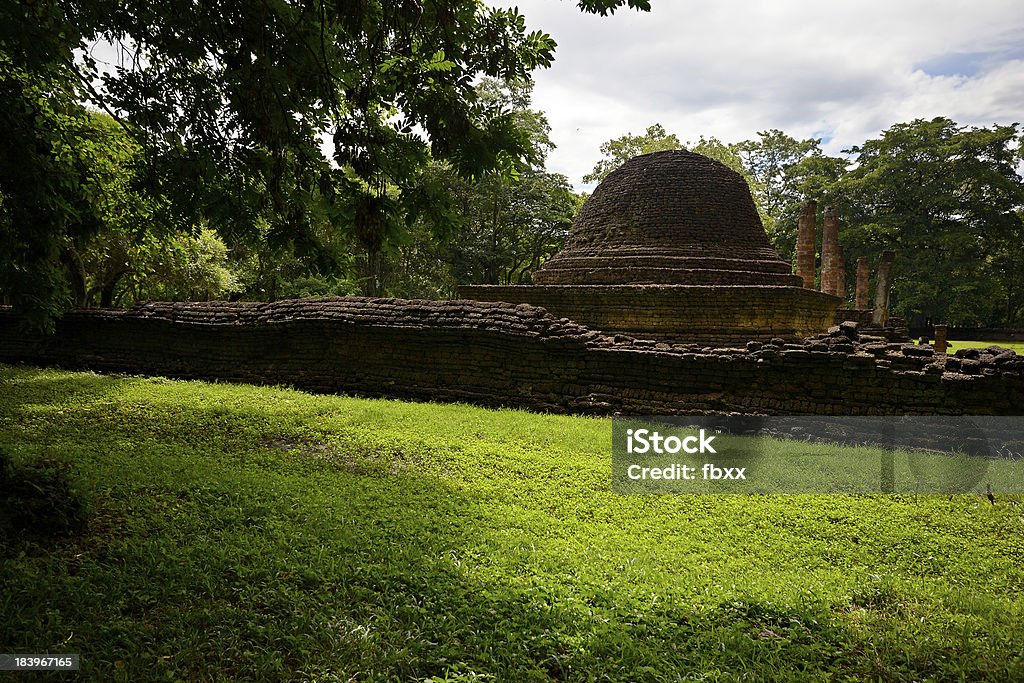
(127, 256)
(723, 152)
(123, 268)
(1007, 268)
(513, 227)
(500, 227)
(785, 173)
(188, 268)
(769, 160)
(605, 7)
(232, 102)
(51, 190)
(948, 200)
(620, 150)
(96, 262)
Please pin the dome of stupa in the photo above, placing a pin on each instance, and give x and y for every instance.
(673, 218)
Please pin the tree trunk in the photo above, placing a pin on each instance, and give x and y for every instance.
(76, 274)
(107, 293)
(372, 280)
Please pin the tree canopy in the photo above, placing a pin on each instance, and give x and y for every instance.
(263, 120)
(948, 199)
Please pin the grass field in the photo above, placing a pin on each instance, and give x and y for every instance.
(956, 345)
(249, 533)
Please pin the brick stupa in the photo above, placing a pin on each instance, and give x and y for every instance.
(670, 246)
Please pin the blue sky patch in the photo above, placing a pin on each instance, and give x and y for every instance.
(967, 64)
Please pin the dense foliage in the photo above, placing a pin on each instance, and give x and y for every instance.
(949, 200)
(51, 188)
(284, 126)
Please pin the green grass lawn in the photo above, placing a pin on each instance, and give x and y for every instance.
(237, 532)
(956, 345)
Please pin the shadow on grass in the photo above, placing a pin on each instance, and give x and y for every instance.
(300, 559)
(400, 579)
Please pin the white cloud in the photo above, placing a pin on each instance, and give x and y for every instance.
(728, 68)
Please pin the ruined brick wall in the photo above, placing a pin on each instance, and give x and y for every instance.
(895, 328)
(507, 355)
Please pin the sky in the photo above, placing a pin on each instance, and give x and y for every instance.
(839, 70)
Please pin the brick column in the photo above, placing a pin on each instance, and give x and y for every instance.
(880, 316)
(940, 339)
(806, 243)
(840, 285)
(863, 278)
(829, 244)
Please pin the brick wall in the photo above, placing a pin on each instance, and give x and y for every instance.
(502, 354)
